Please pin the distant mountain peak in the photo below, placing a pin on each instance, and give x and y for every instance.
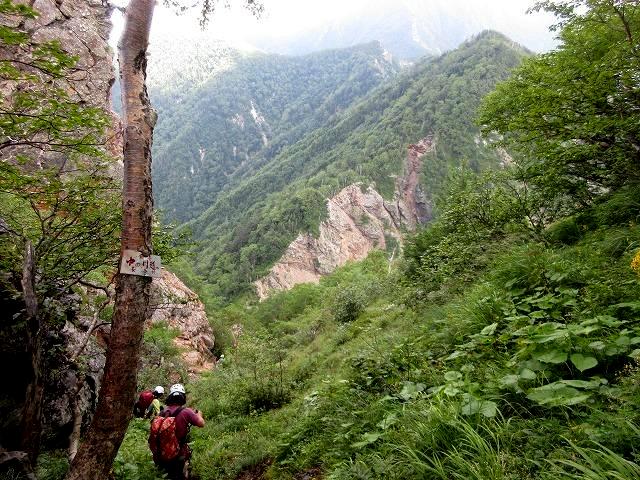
(413, 28)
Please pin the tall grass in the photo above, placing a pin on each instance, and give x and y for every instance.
(594, 463)
(442, 445)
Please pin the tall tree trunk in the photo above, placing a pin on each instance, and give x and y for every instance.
(117, 392)
(32, 410)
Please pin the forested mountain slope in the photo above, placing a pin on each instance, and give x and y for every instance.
(249, 226)
(223, 127)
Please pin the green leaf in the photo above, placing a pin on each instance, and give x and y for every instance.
(467, 368)
(367, 439)
(582, 362)
(510, 380)
(623, 341)
(632, 305)
(581, 383)
(451, 391)
(452, 376)
(455, 354)
(411, 390)
(489, 329)
(583, 330)
(388, 421)
(532, 364)
(527, 374)
(486, 408)
(557, 394)
(552, 356)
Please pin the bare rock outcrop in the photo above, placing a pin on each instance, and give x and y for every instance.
(82, 28)
(358, 221)
(59, 404)
(173, 303)
(409, 205)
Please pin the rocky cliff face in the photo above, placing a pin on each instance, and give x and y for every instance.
(180, 308)
(171, 303)
(82, 27)
(358, 222)
(409, 204)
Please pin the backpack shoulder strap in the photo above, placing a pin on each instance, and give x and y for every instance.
(166, 413)
(177, 412)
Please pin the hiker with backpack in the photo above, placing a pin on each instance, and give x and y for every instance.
(148, 404)
(169, 431)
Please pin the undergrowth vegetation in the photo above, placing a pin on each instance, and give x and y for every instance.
(520, 364)
(503, 345)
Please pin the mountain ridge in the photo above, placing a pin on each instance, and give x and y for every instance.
(250, 225)
(248, 115)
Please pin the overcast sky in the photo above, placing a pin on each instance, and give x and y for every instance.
(284, 18)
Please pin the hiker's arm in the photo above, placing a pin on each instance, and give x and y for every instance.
(197, 419)
(153, 410)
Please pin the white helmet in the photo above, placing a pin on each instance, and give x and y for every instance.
(159, 390)
(177, 388)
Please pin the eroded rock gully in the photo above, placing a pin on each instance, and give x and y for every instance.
(359, 220)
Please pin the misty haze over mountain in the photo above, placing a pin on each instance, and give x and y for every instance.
(412, 28)
(406, 28)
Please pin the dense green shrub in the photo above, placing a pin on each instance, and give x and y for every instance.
(348, 303)
(564, 232)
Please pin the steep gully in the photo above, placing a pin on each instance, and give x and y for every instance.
(358, 222)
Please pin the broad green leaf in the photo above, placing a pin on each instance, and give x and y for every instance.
(488, 409)
(583, 362)
(608, 320)
(612, 350)
(532, 364)
(553, 356)
(388, 421)
(489, 329)
(451, 391)
(581, 383)
(485, 407)
(452, 376)
(510, 380)
(367, 439)
(557, 394)
(623, 341)
(631, 305)
(583, 330)
(455, 354)
(372, 436)
(527, 374)
(411, 390)
(468, 368)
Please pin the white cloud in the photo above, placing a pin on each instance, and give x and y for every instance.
(283, 18)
